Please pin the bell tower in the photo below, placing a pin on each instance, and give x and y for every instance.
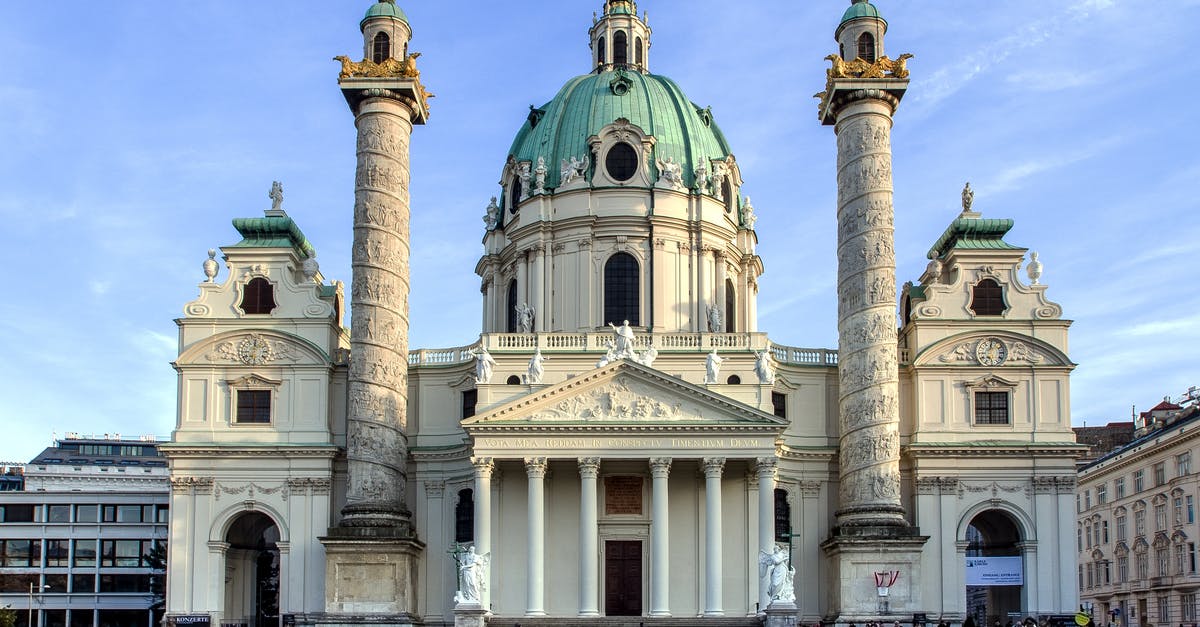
(872, 533)
(372, 554)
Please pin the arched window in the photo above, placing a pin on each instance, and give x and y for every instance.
(381, 48)
(622, 290)
(621, 162)
(601, 52)
(734, 380)
(464, 516)
(514, 195)
(730, 307)
(513, 380)
(783, 516)
(511, 318)
(727, 194)
(866, 47)
(638, 53)
(258, 297)
(620, 48)
(987, 298)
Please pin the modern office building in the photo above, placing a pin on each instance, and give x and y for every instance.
(83, 544)
(1138, 530)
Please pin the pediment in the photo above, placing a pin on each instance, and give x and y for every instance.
(992, 349)
(253, 347)
(624, 394)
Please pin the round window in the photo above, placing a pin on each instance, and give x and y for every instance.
(621, 162)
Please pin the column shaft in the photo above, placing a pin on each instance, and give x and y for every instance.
(483, 520)
(376, 440)
(535, 603)
(537, 298)
(867, 370)
(719, 265)
(589, 537)
(660, 575)
(713, 571)
(766, 518)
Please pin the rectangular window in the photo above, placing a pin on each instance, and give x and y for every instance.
(123, 513)
(124, 583)
(85, 553)
(1178, 507)
(1192, 557)
(1191, 510)
(1122, 530)
(1102, 493)
(1139, 522)
(1091, 570)
(991, 408)
(162, 514)
(1107, 566)
(1079, 539)
(83, 617)
(1163, 561)
(1180, 560)
(20, 553)
(1187, 605)
(779, 404)
(1096, 534)
(253, 407)
(1119, 487)
(1183, 464)
(58, 553)
(15, 513)
(57, 583)
(83, 584)
(124, 553)
(1160, 473)
(87, 513)
(1160, 517)
(1104, 527)
(1087, 499)
(1143, 566)
(1164, 610)
(58, 513)
(469, 399)
(18, 582)
(1139, 480)
(1123, 569)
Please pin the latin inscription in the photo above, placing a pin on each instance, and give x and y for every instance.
(623, 496)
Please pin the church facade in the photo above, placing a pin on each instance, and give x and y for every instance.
(621, 439)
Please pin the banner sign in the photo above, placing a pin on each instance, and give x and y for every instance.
(995, 571)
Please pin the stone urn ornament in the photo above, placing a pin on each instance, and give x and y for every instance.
(210, 266)
(1034, 269)
(310, 267)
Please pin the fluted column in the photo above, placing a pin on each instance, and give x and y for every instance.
(765, 467)
(867, 359)
(483, 520)
(376, 439)
(660, 568)
(535, 598)
(713, 571)
(589, 537)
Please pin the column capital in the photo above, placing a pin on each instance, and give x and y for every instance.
(435, 488)
(535, 467)
(766, 467)
(713, 467)
(483, 466)
(660, 467)
(218, 548)
(810, 489)
(589, 467)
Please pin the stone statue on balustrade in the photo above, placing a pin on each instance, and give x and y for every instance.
(536, 368)
(712, 367)
(471, 570)
(764, 367)
(484, 365)
(776, 576)
(492, 216)
(623, 342)
(647, 357)
(525, 315)
(714, 319)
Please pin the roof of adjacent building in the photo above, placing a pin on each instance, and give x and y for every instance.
(101, 452)
(384, 8)
(684, 131)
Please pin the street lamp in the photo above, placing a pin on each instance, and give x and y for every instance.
(40, 590)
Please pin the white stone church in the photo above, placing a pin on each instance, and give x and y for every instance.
(621, 440)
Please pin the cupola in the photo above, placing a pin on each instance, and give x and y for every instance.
(620, 39)
(860, 33)
(385, 32)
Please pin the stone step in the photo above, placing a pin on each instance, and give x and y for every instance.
(624, 621)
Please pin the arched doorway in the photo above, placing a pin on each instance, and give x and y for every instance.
(995, 568)
(252, 571)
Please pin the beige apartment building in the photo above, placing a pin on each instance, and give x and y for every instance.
(1137, 529)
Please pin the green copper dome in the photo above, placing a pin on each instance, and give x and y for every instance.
(560, 129)
(861, 8)
(384, 8)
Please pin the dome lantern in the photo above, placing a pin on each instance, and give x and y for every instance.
(860, 33)
(386, 32)
(620, 39)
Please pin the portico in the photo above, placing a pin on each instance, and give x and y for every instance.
(649, 459)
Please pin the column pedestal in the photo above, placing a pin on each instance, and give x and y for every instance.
(370, 577)
(470, 615)
(781, 615)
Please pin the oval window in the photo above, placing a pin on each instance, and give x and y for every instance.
(621, 162)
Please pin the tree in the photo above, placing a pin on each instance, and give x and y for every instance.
(8, 617)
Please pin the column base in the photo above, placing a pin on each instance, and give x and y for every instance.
(858, 552)
(371, 576)
(659, 614)
(536, 614)
(714, 613)
(589, 614)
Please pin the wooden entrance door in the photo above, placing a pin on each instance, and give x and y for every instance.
(623, 578)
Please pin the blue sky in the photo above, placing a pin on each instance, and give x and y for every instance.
(131, 133)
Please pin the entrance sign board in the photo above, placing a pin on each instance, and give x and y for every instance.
(995, 571)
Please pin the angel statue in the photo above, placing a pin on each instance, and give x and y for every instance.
(484, 363)
(525, 318)
(776, 577)
(536, 368)
(764, 367)
(471, 569)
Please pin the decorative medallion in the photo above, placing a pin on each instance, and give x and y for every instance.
(991, 352)
(255, 351)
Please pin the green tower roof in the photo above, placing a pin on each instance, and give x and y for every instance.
(861, 8)
(271, 232)
(974, 233)
(560, 129)
(384, 8)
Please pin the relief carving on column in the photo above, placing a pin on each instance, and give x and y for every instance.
(535, 467)
(713, 467)
(810, 489)
(927, 485)
(435, 488)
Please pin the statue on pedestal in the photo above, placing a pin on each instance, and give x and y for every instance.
(471, 568)
(776, 576)
(623, 342)
(536, 369)
(484, 363)
(712, 367)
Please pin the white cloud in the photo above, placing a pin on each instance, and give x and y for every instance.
(1011, 177)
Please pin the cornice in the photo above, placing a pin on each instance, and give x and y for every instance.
(242, 450)
(1137, 455)
(639, 428)
(1067, 450)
